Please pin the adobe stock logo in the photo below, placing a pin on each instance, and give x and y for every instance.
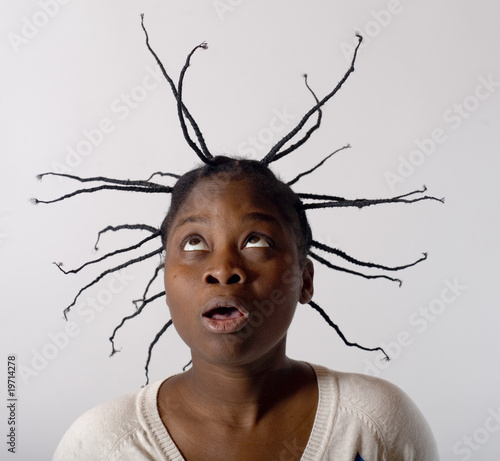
(454, 116)
(122, 106)
(420, 320)
(255, 145)
(222, 7)
(56, 342)
(32, 26)
(374, 27)
(473, 443)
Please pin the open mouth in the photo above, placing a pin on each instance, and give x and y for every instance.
(225, 314)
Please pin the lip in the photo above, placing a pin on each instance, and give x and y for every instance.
(225, 325)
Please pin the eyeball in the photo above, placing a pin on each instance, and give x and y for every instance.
(195, 243)
(256, 241)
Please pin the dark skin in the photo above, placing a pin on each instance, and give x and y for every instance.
(233, 279)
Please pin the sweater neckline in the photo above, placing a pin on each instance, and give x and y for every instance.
(326, 412)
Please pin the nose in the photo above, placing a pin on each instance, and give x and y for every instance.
(225, 269)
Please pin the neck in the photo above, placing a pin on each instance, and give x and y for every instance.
(239, 394)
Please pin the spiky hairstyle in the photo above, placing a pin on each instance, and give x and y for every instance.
(296, 203)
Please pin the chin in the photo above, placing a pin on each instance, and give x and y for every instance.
(238, 350)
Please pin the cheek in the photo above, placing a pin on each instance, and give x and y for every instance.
(178, 298)
(175, 289)
(277, 297)
(175, 273)
(284, 281)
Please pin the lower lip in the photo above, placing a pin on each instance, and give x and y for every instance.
(225, 325)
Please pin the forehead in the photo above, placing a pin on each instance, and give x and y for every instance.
(220, 194)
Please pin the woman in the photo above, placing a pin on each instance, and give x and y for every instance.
(235, 269)
(236, 242)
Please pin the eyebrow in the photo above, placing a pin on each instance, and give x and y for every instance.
(253, 216)
(192, 219)
(259, 216)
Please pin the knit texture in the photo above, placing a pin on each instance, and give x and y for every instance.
(358, 418)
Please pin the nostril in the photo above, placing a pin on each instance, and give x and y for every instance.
(235, 278)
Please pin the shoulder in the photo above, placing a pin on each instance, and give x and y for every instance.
(100, 430)
(374, 409)
(376, 396)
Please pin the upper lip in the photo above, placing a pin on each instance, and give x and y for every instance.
(225, 301)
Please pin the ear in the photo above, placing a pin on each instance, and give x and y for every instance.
(307, 290)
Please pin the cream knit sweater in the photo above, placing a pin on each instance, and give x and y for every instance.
(359, 418)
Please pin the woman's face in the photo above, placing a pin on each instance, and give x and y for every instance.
(232, 273)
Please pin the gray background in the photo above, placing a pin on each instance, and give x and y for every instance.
(418, 72)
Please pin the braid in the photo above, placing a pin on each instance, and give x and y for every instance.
(111, 184)
(349, 271)
(108, 255)
(139, 310)
(181, 108)
(352, 260)
(152, 345)
(337, 202)
(90, 190)
(305, 173)
(180, 105)
(270, 157)
(126, 182)
(339, 332)
(308, 133)
(110, 271)
(124, 226)
(148, 286)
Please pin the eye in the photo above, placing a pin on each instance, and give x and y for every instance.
(194, 243)
(256, 241)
